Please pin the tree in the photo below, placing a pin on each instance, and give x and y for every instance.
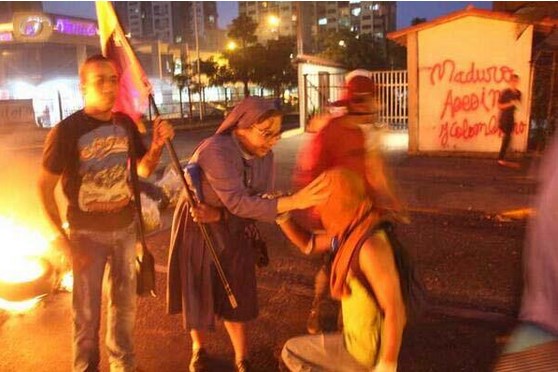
(274, 69)
(352, 50)
(181, 79)
(243, 31)
(208, 68)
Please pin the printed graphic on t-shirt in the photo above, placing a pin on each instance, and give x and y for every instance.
(103, 168)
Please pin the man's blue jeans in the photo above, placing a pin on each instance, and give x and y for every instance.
(117, 248)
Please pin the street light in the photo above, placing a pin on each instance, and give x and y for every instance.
(273, 21)
(231, 45)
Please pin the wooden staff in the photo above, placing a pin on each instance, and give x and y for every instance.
(203, 228)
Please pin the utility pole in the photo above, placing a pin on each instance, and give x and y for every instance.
(299, 29)
(196, 33)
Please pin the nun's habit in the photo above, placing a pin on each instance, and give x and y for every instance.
(231, 180)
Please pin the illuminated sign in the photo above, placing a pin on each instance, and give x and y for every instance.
(6, 36)
(31, 27)
(75, 27)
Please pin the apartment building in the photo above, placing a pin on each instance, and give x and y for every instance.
(279, 18)
(168, 21)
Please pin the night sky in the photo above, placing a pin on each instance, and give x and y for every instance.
(228, 10)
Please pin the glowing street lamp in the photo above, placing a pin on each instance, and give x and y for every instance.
(273, 21)
(231, 45)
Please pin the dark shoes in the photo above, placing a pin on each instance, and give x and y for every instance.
(199, 361)
(243, 366)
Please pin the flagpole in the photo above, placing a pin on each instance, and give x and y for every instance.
(191, 201)
(134, 83)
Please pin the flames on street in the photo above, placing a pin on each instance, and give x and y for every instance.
(22, 263)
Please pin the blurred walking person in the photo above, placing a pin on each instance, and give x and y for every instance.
(341, 141)
(533, 345)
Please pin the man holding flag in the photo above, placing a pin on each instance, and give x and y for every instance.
(89, 152)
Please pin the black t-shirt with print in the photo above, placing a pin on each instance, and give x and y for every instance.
(92, 157)
(506, 115)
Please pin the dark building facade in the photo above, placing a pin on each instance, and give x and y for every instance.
(376, 18)
(168, 21)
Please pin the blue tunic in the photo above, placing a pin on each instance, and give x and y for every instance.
(231, 180)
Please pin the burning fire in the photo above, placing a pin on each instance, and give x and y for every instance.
(21, 261)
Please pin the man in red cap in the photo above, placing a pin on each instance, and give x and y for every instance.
(340, 141)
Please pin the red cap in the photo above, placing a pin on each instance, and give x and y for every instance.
(357, 85)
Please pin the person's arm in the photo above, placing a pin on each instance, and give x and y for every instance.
(303, 239)
(225, 173)
(378, 266)
(47, 186)
(504, 106)
(162, 131)
(313, 194)
(505, 101)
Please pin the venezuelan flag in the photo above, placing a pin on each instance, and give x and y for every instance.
(134, 87)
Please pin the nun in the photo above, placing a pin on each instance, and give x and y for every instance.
(237, 173)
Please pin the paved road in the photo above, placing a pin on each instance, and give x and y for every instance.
(466, 258)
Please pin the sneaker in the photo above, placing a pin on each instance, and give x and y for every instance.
(243, 366)
(509, 164)
(199, 361)
(313, 323)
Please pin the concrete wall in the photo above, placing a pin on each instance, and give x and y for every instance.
(462, 67)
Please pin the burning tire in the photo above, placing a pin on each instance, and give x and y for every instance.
(38, 285)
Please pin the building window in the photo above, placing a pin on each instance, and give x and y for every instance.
(375, 7)
(366, 27)
(356, 12)
(331, 11)
(322, 21)
(211, 19)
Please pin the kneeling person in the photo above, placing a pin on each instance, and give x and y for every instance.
(364, 277)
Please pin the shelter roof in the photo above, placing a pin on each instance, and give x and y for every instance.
(546, 25)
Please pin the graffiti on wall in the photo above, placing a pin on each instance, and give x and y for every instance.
(469, 108)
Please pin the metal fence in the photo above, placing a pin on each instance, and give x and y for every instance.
(391, 93)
